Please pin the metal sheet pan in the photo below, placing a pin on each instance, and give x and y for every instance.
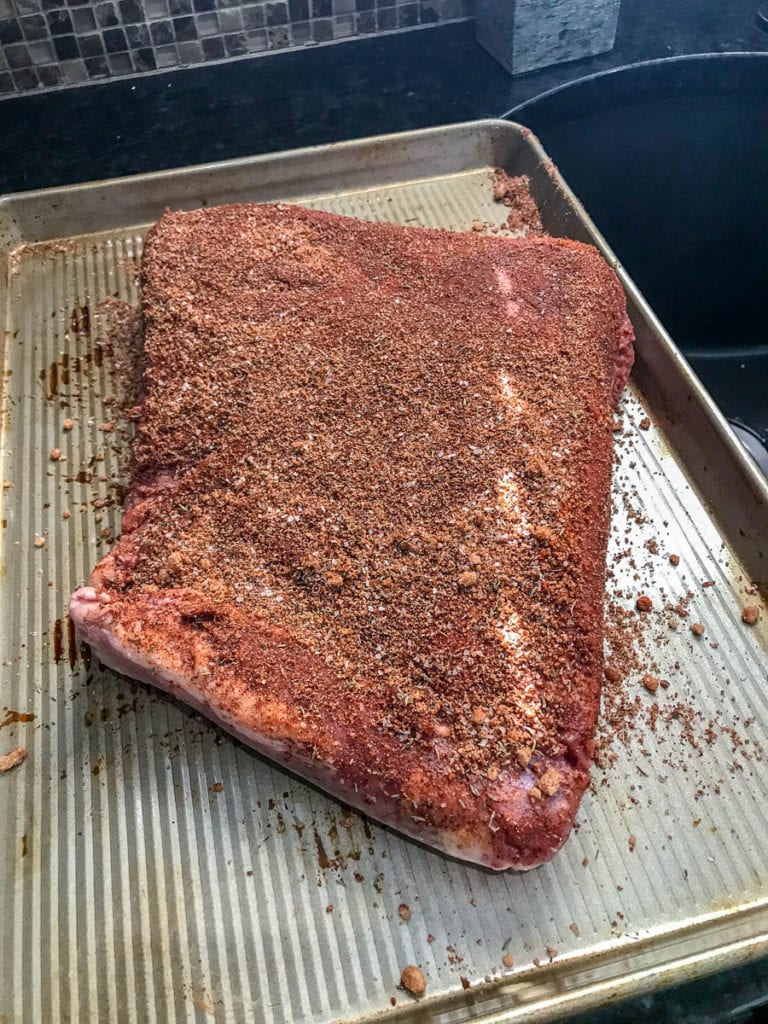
(152, 869)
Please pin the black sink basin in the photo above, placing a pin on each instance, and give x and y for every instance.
(670, 158)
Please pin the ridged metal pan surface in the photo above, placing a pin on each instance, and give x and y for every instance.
(153, 869)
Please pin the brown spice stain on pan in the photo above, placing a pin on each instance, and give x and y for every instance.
(80, 320)
(12, 717)
(56, 375)
(72, 650)
(65, 641)
(322, 857)
(58, 641)
(202, 1000)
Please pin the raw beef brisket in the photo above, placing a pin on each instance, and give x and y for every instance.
(369, 511)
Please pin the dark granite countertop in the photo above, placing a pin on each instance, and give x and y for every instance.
(320, 94)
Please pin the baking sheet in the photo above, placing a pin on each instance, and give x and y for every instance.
(153, 869)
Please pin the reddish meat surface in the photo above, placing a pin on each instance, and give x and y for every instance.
(369, 512)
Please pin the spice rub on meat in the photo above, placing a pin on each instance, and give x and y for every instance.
(369, 511)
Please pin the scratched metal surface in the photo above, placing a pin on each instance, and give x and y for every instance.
(153, 869)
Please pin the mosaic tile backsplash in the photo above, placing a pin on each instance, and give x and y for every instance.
(49, 43)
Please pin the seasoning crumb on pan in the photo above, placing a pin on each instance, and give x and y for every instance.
(697, 629)
(515, 193)
(644, 603)
(632, 843)
(751, 614)
(674, 559)
(412, 980)
(508, 960)
(55, 454)
(329, 909)
(39, 542)
(575, 929)
(67, 424)
(404, 911)
(651, 683)
(645, 423)
(465, 983)
(12, 759)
